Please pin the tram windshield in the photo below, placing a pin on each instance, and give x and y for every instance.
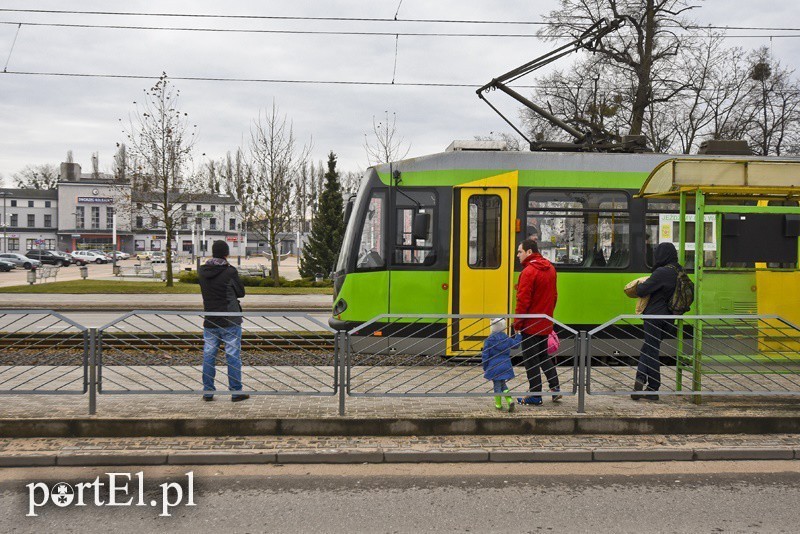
(347, 241)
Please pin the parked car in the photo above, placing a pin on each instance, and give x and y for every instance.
(19, 260)
(103, 253)
(77, 259)
(67, 259)
(120, 255)
(90, 257)
(158, 257)
(143, 255)
(45, 256)
(6, 266)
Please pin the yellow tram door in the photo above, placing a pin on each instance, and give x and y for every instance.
(481, 259)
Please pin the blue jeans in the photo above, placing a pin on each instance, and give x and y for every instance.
(499, 386)
(232, 337)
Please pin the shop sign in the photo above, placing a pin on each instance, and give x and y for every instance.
(96, 200)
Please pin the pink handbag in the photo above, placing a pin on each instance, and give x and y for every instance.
(553, 343)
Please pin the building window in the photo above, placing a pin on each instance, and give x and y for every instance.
(13, 244)
(48, 221)
(184, 222)
(109, 217)
(13, 203)
(213, 207)
(198, 222)
(30, 203)
(31, 220)
(79, 216)
(199, 207)
(183, 207)
(139, 222)
(580, 228)
(154, 222)
(47, 204)
(138, 205)
(154, 206)
(232, 208)
(95, 217)
(30, 244)
(14, 218)
(213, 223)
(232, 224)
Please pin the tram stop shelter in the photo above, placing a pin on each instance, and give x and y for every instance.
(745, 252)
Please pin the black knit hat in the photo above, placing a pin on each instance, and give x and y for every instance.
(220, 249)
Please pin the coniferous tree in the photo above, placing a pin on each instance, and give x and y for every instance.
(327, 227)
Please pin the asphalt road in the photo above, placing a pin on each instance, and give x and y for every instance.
(669, 497)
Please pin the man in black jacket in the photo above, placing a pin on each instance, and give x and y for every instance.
(660, 287)
(221, 288)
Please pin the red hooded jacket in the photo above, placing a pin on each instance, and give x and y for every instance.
(536, 294)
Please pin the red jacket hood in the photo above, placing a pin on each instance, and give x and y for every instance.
(537, 262)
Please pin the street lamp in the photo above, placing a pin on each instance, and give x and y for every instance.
(5, 194)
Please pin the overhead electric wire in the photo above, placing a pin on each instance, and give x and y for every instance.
(320, 32)
(357, 19)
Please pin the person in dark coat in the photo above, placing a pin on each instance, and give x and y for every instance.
(536, 294)
(659, 287)
(221, 289)
(496, 359)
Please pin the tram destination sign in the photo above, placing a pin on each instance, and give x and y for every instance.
(96, 200)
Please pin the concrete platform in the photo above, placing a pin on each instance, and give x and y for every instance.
(188, 415)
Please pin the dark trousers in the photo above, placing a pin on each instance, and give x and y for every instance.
(534, 357)
(649, 370)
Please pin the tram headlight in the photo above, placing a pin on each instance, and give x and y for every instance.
(339, 307)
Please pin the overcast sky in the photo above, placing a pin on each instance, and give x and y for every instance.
(41, 117)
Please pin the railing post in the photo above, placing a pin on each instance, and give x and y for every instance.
(583, 351)
(341, 352)
(92, 371)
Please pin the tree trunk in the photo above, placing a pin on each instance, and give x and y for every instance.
(642, 97)
(168, 255)
(273, 247)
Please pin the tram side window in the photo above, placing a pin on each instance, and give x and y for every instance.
(371, 243)
(484, 228)
(580, 228)
(662, 224)
(414, 209)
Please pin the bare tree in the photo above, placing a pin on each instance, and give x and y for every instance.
(36, 177)
(641, 48)
(385, 145)
(160, 141)
(277, 159)
(239, 181)
(777, 99)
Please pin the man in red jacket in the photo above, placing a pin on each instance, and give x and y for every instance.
(536, 294)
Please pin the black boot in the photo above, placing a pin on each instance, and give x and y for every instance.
(637, 386)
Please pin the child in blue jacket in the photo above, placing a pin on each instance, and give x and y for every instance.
(496, 359)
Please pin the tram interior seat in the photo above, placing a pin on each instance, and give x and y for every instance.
(595, 258)
(618, 257)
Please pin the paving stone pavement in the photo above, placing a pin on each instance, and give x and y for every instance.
(154, 406)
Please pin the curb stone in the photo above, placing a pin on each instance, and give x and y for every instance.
(331, 457)
(436, 456)
(639, 455)
(744, 453)
(72, 459)
(220, 458)
(27, 460)
(543, 455)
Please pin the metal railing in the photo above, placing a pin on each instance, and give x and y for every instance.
(694, 355)
(398, 355)
(162, 352)
(42, 352)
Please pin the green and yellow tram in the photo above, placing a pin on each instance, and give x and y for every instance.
(437, 235)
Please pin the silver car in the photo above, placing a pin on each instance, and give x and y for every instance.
(6, 266)
(19, 260)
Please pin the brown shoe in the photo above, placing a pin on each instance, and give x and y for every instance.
(239, 398)
(637, 386)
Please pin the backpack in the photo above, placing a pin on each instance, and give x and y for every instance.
(683, 296)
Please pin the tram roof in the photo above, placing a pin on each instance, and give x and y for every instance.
(749, 177)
